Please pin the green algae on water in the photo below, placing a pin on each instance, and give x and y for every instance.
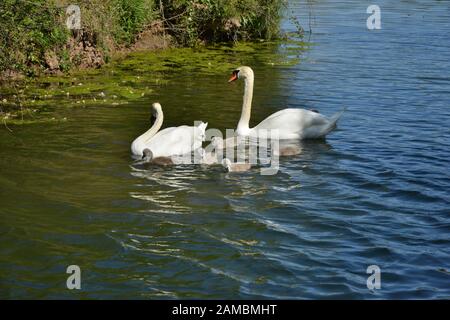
(135, 76)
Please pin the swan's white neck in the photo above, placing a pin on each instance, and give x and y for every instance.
(146, 136)
(244, 122)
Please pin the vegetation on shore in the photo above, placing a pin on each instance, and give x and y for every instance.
(35, 39)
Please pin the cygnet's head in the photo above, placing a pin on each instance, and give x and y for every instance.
(147, 154)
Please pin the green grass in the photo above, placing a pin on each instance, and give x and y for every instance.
(222, 20)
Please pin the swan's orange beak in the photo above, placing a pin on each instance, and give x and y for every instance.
(233, 77)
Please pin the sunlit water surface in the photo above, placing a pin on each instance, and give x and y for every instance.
(376, 192)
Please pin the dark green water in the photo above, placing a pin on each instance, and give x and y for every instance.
(376, 192)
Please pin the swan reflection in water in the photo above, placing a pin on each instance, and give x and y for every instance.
(247, 152)
(176, 189)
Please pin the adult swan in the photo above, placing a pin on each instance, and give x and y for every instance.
(291, 123)
(169, 141)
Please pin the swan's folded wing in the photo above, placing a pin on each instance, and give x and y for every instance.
(173, 141)
(318, 119)
(292, 119)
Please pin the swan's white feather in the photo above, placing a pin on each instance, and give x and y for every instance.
(296, 124)
(170, 141)
(290, 123)
(175, 141)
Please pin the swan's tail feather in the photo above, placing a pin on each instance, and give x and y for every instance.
(333, 122)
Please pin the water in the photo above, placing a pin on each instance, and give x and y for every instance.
(375, 192)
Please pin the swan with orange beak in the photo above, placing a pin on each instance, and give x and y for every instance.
(291, 123)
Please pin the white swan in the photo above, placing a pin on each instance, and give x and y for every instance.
(291, 123)
(169, 141)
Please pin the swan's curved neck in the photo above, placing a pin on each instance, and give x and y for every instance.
(146, 136)
(244, 121)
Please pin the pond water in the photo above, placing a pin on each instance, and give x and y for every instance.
(376, 192)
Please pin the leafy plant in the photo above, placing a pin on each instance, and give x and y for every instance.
(132, 17)
(222, 20)
(29, 29)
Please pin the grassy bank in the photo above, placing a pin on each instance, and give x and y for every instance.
(35, 39)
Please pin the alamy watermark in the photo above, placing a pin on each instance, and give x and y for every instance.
(374, 280)
(74, 280)
(73, 21)
(374, 20)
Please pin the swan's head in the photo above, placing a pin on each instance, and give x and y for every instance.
(147, 154)
(241, 72)
(156, 108)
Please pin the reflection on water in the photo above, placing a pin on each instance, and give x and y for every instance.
(376, 192)
(166, 189)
